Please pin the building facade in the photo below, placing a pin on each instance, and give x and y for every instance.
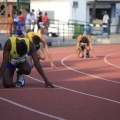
(79, 10)
(76, 9)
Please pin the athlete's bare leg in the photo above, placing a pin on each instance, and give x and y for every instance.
(41, 54)
(7, 78)
(29, 58)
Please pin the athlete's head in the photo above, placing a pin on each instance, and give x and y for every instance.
(36, 39)
(21, 48)
(84, 39)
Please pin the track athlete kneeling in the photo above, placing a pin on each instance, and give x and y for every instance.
(84, 42)
(37, 39)
(14, 56)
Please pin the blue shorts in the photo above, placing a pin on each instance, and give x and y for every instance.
(37, 48)
(11, 67)
(15, 23)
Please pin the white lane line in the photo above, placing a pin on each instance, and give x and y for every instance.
(75, 91)
(30, 109)
(68, 50)
(105, 59)
(62, 62)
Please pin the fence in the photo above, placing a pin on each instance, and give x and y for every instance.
(69, 29)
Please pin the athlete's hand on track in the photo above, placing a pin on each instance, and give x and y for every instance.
(53, 66)
(75, 57)
(48, 84)
(94, 57)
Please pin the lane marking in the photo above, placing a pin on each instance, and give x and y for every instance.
(30, 109)
(75, 91)
(25, 88)
(73, 50)
(62, 62)
(105, 60)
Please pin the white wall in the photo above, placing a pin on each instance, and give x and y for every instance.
(63, 9)
(60, 8)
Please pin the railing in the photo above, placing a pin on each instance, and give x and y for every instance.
(71, 28)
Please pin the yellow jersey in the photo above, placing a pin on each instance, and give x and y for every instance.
(30, 34)
(13, 52)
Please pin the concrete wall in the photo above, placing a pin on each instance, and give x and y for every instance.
(61, 8)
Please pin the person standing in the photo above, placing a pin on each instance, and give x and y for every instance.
(45, 23)
(21, 18)
(15, 20)
(105, 22)
(39, 22)
(32, 21)
(27, 21)
(10, 22)
(19, 29)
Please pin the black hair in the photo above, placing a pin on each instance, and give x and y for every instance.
(36, 39)
(8, 15)
(27, 10)
(40, 13)
(84, 39)
(21, 48)
(20, 12)
(33, 10)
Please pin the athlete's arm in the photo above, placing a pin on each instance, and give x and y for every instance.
(77, 46)
(43, 40)
(38, 65)
(6, 52)
(91, 47)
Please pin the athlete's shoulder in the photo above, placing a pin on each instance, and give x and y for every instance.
(38, 34)
(12, 37)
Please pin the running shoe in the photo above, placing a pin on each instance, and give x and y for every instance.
(20, 80)
(87, 55)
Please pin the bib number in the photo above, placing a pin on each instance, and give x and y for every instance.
(17, 61)
(83, 44)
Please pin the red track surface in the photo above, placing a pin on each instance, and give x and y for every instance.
(86, 89)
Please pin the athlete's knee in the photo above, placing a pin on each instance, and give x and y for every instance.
(7, 84)
(27, 71)
(88, 48)
(42, 57)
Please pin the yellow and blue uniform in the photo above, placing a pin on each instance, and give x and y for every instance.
(14, 56)
(30, 35)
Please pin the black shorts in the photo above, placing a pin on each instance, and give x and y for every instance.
(83, 46)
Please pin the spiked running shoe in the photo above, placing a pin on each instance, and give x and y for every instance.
(20, 80)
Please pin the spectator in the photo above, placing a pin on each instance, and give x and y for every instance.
(33, 11)
(10, 22)
(38, 12)
(27, 21)
(45, 23)
(21, 18)
(39, 22)
(19, 28)
(105, 22)
(15, 20)
(32, 21)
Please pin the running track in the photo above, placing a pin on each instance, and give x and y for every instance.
(86, 89)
